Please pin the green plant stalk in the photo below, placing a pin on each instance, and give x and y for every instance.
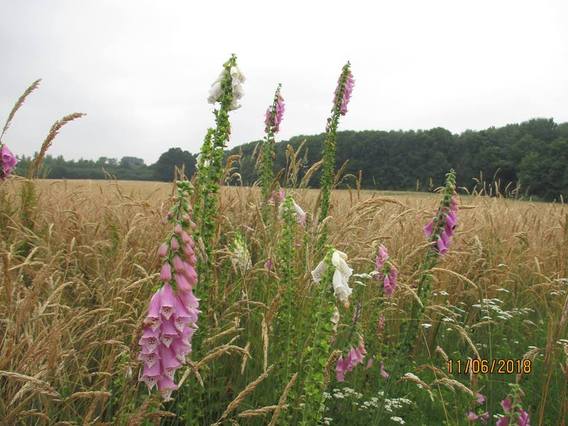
(317, 354)
(284, 322)
(328, 169)
(266, 165)
(424, 289)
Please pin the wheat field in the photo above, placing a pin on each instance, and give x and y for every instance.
(79, 266)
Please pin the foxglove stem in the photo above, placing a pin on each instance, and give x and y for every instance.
(272, 121)
(317, 354)
(443, 223)
(284, 321)
(226, 91)
(342, 95)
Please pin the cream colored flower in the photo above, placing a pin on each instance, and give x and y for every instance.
(341, 276)
(300, 213)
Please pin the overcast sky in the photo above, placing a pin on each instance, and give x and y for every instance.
(142, 70)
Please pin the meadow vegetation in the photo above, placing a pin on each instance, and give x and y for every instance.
(315, 306)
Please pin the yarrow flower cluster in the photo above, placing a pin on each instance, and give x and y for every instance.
(173, 311)
(7, 161)
(386, 271)
(441, 228)
(354, 357)
(236, 79)
(274, 113)
(340, 277)
(344, 90)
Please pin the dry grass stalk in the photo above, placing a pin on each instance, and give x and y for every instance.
(282, 401)
(18, 104)
(243, 394)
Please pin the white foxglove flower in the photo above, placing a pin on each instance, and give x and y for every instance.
(215, 92)
(234, 105)
(237, 75)
(341, 275)
(300, 213)
(238, 91)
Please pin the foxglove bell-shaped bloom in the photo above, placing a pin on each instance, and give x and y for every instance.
(274, 115)
(353, 358)
(172, 315)
(386, 271)
(341, 276)
(298, 211)
(7, 161)
(523, 419)
(342, 97)
(237, 80)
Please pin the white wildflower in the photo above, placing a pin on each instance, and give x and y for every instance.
(300, 213)
(340, 277)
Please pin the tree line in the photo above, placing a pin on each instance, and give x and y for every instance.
(526, 159)
(127, 168)
(530, 158)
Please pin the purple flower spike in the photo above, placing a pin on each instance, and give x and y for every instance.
(274, 115)
(346, 95)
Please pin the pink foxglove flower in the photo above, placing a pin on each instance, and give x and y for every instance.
(172, 315)
(353, 358)
(274, 114)
(343, 94)
(507, 405)
(7, 161)
(384, 374)
(523, 419)
(386, 271)
(440, 229)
